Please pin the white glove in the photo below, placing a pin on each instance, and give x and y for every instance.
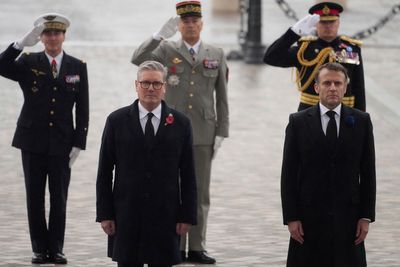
(217, 144)
(30, 38)
(73, 155)
(168, 29)
(307, 25)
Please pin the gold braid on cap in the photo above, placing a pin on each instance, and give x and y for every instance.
(188, 9)
(54, 25)
(305, 64)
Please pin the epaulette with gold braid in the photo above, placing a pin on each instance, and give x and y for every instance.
(351, 40)
(308, 38)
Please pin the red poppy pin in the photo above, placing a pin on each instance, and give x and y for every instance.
(169, 120)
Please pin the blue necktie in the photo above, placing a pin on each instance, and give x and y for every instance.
(192, 53)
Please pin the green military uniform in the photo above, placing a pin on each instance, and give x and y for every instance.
(197, 88)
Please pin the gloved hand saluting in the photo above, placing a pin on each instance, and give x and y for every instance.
(168, 29)
(307, 25)
(30, 38)
(73, 155)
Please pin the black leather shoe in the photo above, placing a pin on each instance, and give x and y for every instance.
(39, 258)
(183, 255)
(58, 258)
(200, 257)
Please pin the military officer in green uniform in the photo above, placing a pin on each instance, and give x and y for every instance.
(197, 87)
(311, 52)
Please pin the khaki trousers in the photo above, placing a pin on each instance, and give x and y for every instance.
(197, 235)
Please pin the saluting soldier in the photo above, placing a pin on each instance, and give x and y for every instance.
(52, 83)
(311, 52)
(196, 72)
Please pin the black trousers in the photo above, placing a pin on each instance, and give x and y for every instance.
(37, 168)
(141, 265)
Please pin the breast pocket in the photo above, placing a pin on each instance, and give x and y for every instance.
(210, 73)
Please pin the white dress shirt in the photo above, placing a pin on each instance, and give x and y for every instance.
(155, 119)
(325, 118)
(58, 60)
(196, 46)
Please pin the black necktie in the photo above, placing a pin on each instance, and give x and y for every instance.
(331, 129)
(149, 129)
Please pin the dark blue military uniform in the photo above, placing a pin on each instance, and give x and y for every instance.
(308, 49)
(46, 134)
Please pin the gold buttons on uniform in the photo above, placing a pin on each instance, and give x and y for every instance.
(192, 82)
(53, 100)
(34, 82)
(55, 88)
(190, 107)
(191, 95)
(51, 124)
(51, 112)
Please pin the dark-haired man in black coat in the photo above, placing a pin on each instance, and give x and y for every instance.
(328, 183)
(52, 83)
(146, 185)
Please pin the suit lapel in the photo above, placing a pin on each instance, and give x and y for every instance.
(314, 122)
(134, 123)
(66, 61)
(346, 128)
(162, 127)
(182, 49)
(203, 51)
(45, 65)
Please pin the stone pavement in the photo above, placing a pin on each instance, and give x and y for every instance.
(245, 224)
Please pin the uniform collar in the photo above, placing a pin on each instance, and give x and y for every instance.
(196, 46)
(58, 58)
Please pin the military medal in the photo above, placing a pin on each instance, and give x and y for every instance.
(173, 80)
(345, 56)
(72, 79)
(210, 63)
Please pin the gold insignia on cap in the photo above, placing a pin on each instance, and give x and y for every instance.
(326, 10)
(176, 60)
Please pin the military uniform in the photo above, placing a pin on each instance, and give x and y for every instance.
(45, 134)
(311, 52)
(191, 85)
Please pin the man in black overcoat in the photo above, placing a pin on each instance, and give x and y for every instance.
(53, 83)
(146, 185)
(328, 184)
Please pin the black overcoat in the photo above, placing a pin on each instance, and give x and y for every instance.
(328, 191)
(45, 124)
(147, 191)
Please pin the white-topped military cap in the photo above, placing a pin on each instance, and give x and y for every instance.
(53, 22)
